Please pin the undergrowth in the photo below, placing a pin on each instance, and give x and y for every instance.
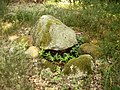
(62, 56)
(13, 67)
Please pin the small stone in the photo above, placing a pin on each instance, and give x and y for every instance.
(12, 38)
(33, 51)
(88, 48)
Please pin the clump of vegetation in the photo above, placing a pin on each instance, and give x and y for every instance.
(111, 55)
(3, 7)
(58, 56)
(13, 67)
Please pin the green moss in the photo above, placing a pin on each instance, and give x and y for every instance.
(49, 23)
(82, 63)
(35, 32)
(24, 40)
(41, 36)
(91, 49)
(46, 38)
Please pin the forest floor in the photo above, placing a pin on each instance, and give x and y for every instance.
(99, 24)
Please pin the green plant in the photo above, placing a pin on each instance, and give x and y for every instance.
(24, 15)
(29, 15)
(65, 57)
(42, 51)
(74, 50)
(58, 57)
(111, 50)
(49, 56)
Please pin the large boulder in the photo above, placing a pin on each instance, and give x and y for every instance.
(51, 33)
(82, 65)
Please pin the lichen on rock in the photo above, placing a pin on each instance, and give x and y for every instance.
(51, 33)
(41, 37)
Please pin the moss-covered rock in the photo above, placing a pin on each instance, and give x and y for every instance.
(51, 33)
(82, 64)
(89, 48)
